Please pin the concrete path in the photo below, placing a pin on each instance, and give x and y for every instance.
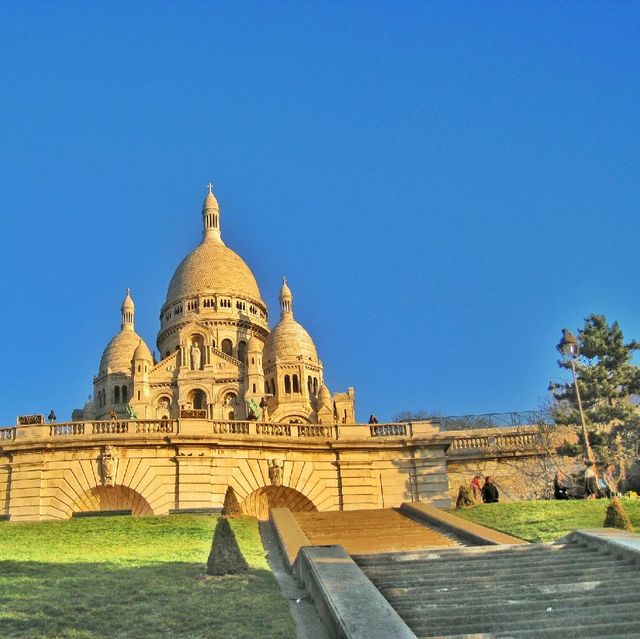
(370, 531)
(304, 612)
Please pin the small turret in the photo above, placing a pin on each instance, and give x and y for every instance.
(286, 300)
(211, 217)
(128, 311)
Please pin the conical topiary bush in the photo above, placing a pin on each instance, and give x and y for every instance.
(225, 557)
(617, 517)
(465, 498)
(231, 506)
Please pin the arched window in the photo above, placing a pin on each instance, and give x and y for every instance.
(315, 385)
(310, 385)
(198, 399)
(287, 384)
(254, 388)
(124, 395)
(231, 415)
(274, 388)
(116, 395)
(227, 347)
(296, 384)
(242, 350)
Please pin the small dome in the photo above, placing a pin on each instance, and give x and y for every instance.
(119, 352)
(127, 303)
(323, 394)
(212, 266)
(142, 352)
(254, 345)
(289, 339)
(210, 202)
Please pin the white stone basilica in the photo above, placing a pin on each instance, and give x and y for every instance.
(218, 358)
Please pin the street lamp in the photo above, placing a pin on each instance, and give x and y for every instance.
(568, 346)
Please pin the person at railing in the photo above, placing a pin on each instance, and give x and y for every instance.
(52, 416)
(490, 493)
(373, 419)
(559, 486)
(476, 488)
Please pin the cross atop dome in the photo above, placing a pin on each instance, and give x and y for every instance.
(210, 187)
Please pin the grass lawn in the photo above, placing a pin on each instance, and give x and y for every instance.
(546, 520)
(120, 577)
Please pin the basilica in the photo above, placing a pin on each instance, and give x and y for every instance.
(218, 358)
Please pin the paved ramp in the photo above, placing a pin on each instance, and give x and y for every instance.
(370, 531)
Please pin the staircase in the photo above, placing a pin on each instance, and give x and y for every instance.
(565, 590)
(370, 531)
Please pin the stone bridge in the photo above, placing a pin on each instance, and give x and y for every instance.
(55, 471)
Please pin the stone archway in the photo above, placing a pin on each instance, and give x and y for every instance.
(103, 498)
(260, 501)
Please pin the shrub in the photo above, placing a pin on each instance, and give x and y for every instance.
(617, 517)
(465, 498)
(225, 557)
(231, 506)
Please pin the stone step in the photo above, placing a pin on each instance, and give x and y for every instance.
(621, 631)
(510, 595)
(493, 564)
(543, 574)
(469, 555)
(454, 616)
(495, 621)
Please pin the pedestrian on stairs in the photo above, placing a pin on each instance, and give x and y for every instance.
(490, 493)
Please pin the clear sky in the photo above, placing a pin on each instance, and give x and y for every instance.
(445, 184)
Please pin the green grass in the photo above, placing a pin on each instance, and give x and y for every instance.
(126, 578)
(546, 520)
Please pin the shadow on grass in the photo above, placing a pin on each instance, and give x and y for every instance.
(107, 601)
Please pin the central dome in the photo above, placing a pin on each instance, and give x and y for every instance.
(212, 266)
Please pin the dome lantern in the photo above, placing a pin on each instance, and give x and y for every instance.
(128, 310)
(211, 217)
(286, 299)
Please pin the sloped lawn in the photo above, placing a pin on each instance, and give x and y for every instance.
(546, 520)
(120, 577)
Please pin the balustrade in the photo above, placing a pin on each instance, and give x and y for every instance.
(154, 426)
(230, 428)
(7, 434)
(388, 430)
(315, 430)
(274, 430)
(66, 429)
(113, 427)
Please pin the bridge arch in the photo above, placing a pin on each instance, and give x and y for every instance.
(260, 501)
(119, 497)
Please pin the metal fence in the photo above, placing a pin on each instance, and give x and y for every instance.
(495, 420)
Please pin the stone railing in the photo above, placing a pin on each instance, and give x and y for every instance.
(7, 434)
(204, 427)
(111, 427)
(521, 439)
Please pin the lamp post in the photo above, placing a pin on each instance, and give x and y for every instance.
(568, 346)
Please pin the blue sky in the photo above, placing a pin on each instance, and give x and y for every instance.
(445, 184)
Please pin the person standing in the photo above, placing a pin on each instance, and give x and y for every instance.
(490, 493)
(591, 481)
(476, 488)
